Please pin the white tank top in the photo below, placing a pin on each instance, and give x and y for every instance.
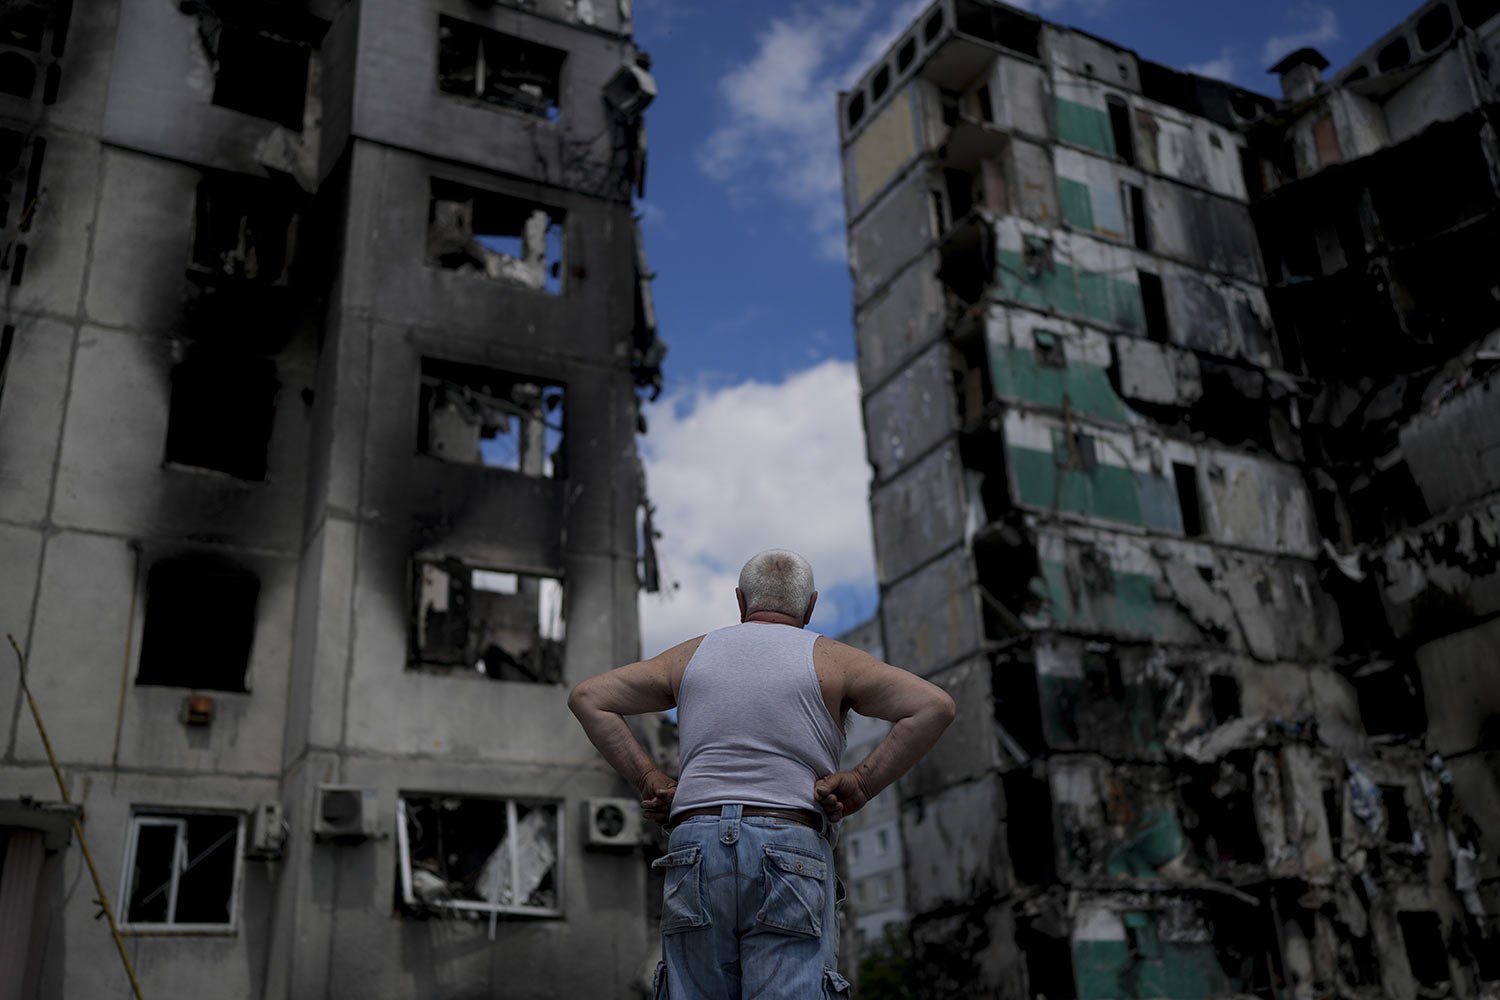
(752, 725)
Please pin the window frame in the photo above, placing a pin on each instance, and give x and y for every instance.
(177, 817)
(416, 659)
(404, 866)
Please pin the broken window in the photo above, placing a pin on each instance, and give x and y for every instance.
(1224, 696)
(200, 621)
(1049, 958)
(506, 238)
(222, 411)
(1154, 304)
(244, 228)
(1398, 829)
(484, 416)
(1119, 126)
(259, 68)
(1219, 812)
(1033, 854)
(465, 857)
(1426, 952)
(504, 625)
(1391, 702)
(1000, 26)
(1072, 449)
(499, 69)
(1185, 476)
(183, 871)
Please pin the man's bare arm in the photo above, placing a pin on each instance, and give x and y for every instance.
(601, 704)
(918, 710)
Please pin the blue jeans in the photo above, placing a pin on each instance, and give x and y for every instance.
(748, 911)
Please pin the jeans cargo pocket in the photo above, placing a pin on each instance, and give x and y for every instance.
(682, 906)
(834, 985)
(795, 885)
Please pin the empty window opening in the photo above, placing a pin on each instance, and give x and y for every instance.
(257, 72)
(880, 83)
(508, 239)
(1135, 197)
(484, 416)
(1049, 959)
(1104, 677)
(1434, 28)
(1032, 850)
(1224, 696)
(1049, 350)
(1154, 303)
(1398, 829)
(1393, 56)
(501, 624)
(998, 26)
(933, 27)
(1426, 952)
(1220, 812)
(467, 857)
(184, 870)
(856, 108)
(1119, 126)
(882, 842)
(7, 341)
(906, 54)
(1474, 13)
(200, 622)
(1391, 701)
(1185, 476)
(499, 69)
(244, 229)
(984, 103)
(23, 25)
(959, 186)
(17, 75)
(1333, 812)
(1072, 449)
(222, 411)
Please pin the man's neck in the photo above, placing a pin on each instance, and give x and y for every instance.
(773, 618)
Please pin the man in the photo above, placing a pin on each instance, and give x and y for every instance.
(748, 906)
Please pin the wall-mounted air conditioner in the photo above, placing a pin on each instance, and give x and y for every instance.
(267, 831)
(611, 822)
(346, 812)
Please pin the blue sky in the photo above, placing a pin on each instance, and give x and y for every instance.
(757, 441)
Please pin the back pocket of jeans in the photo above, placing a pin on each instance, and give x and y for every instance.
(682, 894)
(795, 887)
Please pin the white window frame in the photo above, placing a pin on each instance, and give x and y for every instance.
(403, 857)
(178, 819)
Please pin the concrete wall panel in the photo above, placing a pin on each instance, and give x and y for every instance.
(911, 413)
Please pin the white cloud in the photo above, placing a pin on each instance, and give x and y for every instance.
(1322, 28)
(753, 466)
(780, 129)
(1221, 68)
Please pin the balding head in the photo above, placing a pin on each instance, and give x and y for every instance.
(779, 581)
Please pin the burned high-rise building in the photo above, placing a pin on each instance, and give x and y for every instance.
(324, 329)
(1180, 406)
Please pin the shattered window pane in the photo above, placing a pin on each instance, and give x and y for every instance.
(464, 857)
(503, 238)
(503, 625)
(260, 57)
(244, 229)
(183, 870)
(484, 416)
(499, 69)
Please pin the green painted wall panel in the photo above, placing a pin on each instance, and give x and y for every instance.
(1127, 605)
(1063, 697)
(1108, 970)
(1084, 126)
(1015, 374)
(1077, 203)
(1107, 491)
(1072, 291)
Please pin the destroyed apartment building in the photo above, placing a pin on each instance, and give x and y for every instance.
(1181, 404)
(325, 328)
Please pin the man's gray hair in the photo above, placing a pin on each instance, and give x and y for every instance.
(777, 580)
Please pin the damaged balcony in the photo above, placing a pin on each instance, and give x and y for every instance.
(504, 239)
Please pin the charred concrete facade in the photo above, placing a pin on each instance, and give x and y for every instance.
(324, 328)
(1178, 403)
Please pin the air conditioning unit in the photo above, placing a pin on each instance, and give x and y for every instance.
(612, 822)
(630, 90)
(267, 831)
(346, 812)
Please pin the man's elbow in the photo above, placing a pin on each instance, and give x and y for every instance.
(579, 698)
(944, 709)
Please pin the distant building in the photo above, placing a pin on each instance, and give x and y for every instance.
(870, 840)
(322, 334)
(1179, 401)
